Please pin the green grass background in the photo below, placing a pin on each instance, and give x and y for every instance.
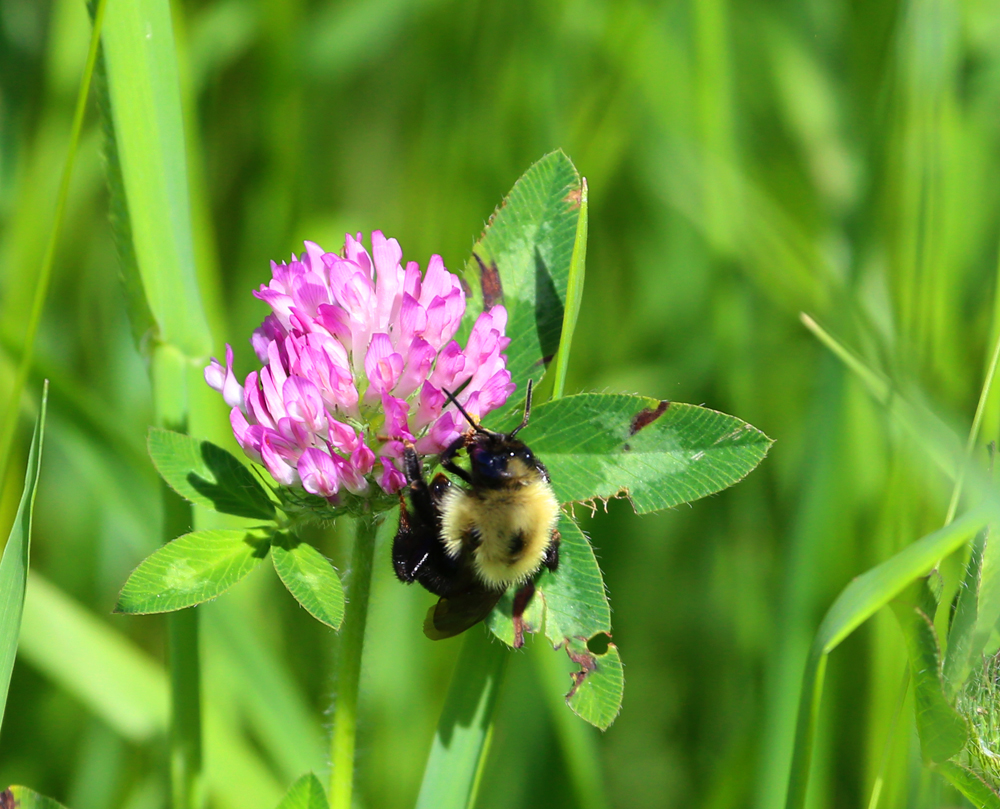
(746, 160)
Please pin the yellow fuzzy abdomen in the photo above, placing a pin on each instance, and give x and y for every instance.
(506, 530)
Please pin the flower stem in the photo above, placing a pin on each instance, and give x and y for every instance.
(348, 666)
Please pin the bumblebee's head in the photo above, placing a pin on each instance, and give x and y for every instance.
(498, 460)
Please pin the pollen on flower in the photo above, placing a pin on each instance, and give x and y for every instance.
(356, 354)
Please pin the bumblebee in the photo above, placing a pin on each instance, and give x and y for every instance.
(469, 543)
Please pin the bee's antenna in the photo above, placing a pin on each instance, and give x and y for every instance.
(451, 399)
(527, 412)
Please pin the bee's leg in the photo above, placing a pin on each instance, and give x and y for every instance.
(447, 462)
(551, 558)
(521, 600)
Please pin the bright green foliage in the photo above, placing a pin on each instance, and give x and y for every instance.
(658, 454)
(25, 798)
(14, 564)
(145, 107)
(942, 729)
(523, 262)
(207, 475)
(306, 793)
(191, 569)
(309, 577)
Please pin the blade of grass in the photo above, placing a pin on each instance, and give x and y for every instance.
(45, 273)
(464, 732)
(864, 596)
(931, 435)
(14, 564)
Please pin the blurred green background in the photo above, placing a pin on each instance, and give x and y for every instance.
(747, 161)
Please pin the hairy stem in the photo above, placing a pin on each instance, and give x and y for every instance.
(348, 666)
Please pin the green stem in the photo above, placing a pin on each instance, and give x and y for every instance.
(169, 370)
(348, 666)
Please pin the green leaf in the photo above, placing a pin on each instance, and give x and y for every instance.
(970, 784)
(572, 605)
(597, 688)
(306, 793)
(207, 475)
(149, 153)
(943, 731)
(523, 259)
(191, 569)
(309, 577)
(658, 454)
(14, 564)
(959, 656)
(24, 798)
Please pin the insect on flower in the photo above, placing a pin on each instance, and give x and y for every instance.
(469, 544)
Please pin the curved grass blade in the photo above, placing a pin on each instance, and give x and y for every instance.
(208, 475)
(657, 454)
(861, 599)
(306, 793)
(190, 570)
(14, 564)
(309, 577)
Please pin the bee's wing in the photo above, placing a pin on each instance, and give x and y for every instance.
(452, 616)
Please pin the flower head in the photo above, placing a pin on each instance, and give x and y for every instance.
(357, 353)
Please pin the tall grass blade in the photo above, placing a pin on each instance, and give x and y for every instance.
(45, 274)
(14, 564)
(145, 109)
(465, 728)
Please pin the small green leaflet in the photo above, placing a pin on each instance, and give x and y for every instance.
(14, 564)
(522, 261)
(191, 569)
(970, 784)
(306, 793)
(207, 475)
(309, 577)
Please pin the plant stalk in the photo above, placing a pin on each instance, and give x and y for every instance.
(348, 666)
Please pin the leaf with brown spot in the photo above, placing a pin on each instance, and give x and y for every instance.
(598, 446)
